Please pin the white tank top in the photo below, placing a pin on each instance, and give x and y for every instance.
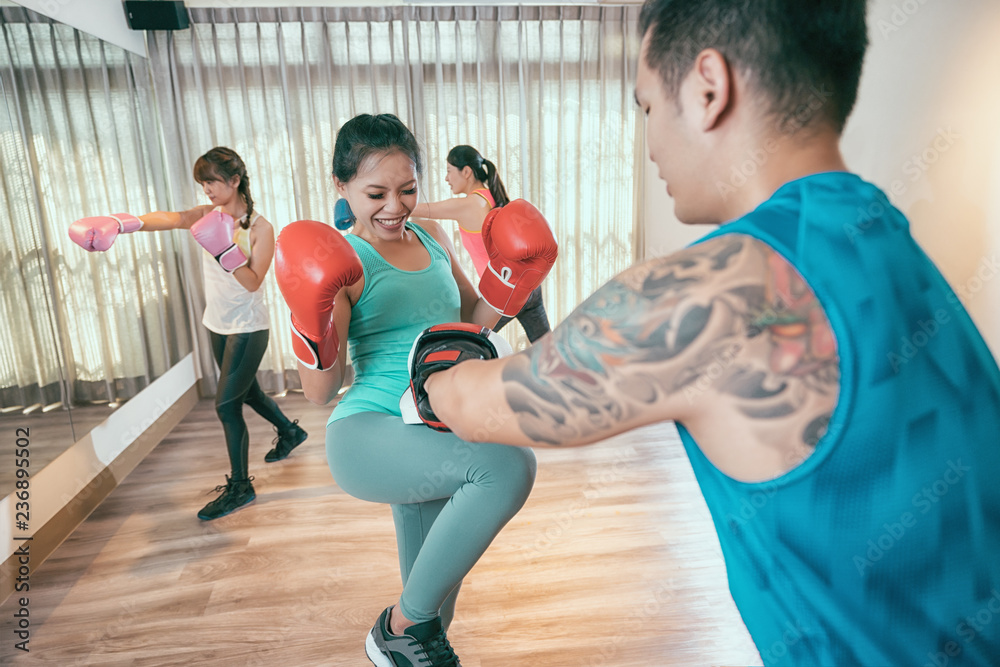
(229, 307)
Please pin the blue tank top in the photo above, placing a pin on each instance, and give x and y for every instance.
(394, 307)
(883, 547)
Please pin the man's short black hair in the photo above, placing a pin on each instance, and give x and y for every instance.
(803, 57)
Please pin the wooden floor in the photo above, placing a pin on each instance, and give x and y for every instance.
(613, 562)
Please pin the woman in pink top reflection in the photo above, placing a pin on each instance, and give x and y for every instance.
(479, 189)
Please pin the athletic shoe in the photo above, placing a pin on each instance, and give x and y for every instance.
(235, 494)
(422, 645)
(287, 440)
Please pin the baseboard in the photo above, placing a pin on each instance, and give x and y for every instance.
(73, 485)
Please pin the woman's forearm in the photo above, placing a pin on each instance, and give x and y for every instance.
(158, 221)
(321, 387)
(484, 314)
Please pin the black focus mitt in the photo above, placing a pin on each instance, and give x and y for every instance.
(440, 347)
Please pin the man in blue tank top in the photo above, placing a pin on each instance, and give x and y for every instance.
(839, 407)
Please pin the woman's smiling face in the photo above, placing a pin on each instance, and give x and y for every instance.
(382, 195)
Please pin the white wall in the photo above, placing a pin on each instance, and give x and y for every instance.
(664, 232)
(927, 124)
(101, 18)
(927, 130)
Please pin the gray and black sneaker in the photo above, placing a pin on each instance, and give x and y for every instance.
(286, 440)
(423, 645)
(235, 494)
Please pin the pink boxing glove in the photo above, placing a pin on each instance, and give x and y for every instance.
(214, 232)
(522, 249)
(98, 233)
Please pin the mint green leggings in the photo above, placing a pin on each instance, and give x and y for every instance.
(449, 498)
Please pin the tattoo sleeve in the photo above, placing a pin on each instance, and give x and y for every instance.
(725, 318)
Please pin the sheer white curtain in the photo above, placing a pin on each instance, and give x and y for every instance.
(78, 140)
(544, 92)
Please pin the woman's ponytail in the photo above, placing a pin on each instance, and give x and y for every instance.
(495, 185)
(485, 171)
(244, 190)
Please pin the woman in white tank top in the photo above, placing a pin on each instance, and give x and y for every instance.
(239, 247)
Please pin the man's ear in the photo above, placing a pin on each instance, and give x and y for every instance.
(712, 80)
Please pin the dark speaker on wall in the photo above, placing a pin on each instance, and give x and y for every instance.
(156, 14)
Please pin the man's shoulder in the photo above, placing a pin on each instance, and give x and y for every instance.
(724, 252)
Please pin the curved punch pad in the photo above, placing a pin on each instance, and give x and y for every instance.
(440, 347)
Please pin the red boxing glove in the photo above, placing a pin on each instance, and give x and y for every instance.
(312, 262)
(214, 232)
(99, 232)
(522, 249)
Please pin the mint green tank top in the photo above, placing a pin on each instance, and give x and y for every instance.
(394, 307)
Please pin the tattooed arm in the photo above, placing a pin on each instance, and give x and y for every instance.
(723, 336)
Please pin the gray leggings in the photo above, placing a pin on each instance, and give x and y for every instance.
(449, 498)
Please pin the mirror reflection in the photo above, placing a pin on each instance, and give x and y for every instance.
(80, 336)
(33, 392)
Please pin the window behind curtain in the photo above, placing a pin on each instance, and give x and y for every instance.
(81, 142)
(544, 92)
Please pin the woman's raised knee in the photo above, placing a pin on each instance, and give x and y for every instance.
(511, 467)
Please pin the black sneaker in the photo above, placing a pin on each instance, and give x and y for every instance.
(423, 645)
(235, 494)
(286, 440)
